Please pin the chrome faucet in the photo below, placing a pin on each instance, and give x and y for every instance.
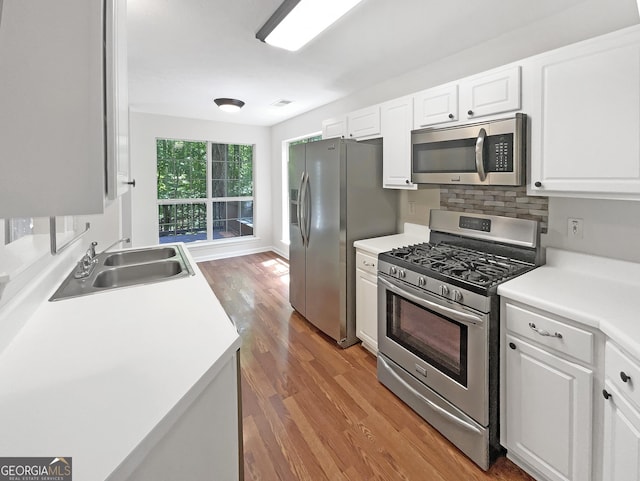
(89, 259)
(87, 263)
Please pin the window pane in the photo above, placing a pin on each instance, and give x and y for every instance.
(235, 164)
(182, 169)
(218, 170)
(219, 211)
(237, 222)
(182, 222)
(218, 188)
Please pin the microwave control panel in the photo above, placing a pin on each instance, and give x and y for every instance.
(500, 153)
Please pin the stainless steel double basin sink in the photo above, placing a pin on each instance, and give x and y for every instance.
(127, 268)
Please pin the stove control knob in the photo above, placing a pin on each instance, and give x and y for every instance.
(393, 271)
(457, 295)
(422, 281)
(444, 290)
(402, 274)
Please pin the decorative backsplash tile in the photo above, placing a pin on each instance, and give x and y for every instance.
(496, 200)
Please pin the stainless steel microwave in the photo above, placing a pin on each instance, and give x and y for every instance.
(487, 153)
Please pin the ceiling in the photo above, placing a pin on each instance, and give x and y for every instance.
(185, 53)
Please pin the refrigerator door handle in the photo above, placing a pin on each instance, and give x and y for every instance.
(299, 209)
(307, 215)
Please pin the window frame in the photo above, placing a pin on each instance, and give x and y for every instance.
(209, 200)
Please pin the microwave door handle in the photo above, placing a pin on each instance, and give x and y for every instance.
(482, 135)
(445, 311)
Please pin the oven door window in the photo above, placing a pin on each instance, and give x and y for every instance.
(435, 339)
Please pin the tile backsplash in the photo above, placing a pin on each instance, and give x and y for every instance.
(496, 200)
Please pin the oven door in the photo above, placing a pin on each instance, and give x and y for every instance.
(442, 344)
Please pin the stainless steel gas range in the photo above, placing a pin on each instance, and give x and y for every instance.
(438, 322)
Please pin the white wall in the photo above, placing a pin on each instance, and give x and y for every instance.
(611, 228)
(146, 128)
(586, 19)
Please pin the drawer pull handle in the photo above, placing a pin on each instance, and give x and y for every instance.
(624, 376)
(606, 394)
(542, 332)
(368, 264)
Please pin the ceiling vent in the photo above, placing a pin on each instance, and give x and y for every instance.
(282, 103)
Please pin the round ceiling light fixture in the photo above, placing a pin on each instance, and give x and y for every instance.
(229, 105)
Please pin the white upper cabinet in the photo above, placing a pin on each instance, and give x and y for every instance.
(364, 123)
(396, 120)
(489, 93)
(438, 105)
(585, 118)
(52, 114)
(117, 102)
(335, 127)
(358, 125)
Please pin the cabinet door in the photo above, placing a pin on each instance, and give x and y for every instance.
(549, 412)
(336, 127)
(494, 92)
(117, 101)
(367, 309)
(585, 121)
(621, 438)
(52, 108)
(435, 106)
(364, 123)
(396, 120)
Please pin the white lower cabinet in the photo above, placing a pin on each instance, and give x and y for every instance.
(621, 460)
(548, 408)
(621, 438)
(366, 300)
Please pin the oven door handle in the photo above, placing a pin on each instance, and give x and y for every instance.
(446, 311)
(443, 412)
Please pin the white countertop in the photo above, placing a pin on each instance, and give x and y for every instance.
(91, 377)
(413, 234)
(599, 292)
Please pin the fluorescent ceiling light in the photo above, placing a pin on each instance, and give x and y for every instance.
(296, 22)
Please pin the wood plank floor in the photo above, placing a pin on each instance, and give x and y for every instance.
(313, 411)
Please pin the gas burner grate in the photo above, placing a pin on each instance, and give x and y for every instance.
(477, 267)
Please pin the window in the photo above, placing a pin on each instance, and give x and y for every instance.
(205, 190)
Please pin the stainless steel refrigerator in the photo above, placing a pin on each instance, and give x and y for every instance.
(335, 198)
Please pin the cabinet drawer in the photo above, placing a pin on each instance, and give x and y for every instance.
(557, 335)
(367, 262)
(619, 366)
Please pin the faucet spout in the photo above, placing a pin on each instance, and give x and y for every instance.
(124, 240)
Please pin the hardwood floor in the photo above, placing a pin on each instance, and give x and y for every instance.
(313, 411)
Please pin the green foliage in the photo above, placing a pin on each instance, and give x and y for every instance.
(182, 169)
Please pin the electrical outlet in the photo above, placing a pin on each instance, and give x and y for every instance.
(574, 228)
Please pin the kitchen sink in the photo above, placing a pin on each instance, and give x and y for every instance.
(139, 255)
(136, 274)
(126, 268)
